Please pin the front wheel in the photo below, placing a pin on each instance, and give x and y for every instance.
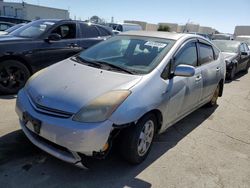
(13, 76)
(214, 99)
(136, 140)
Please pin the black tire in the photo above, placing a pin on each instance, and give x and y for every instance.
(247, 68)
(215, 97)
(13, 76)
(131, 141)
(232, 73)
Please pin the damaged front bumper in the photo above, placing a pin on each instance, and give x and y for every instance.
(63, 138)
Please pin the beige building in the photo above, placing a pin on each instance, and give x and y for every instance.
(30, 12)
(145, 26)
(207, 30)
(174, 27)
(242, 30)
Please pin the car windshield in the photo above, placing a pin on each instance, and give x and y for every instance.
(137, 55)
(227, 46)
(244, 39)
(33, 29)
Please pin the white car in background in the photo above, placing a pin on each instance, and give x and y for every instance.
(244, 38)
(123, 27)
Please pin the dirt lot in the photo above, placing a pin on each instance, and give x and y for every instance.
(209, 148)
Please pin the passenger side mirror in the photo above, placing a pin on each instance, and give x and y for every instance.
(54, 37)
(244, 53)
(184, 71)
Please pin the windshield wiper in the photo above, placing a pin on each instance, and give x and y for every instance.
(101, 63)
(82, 60)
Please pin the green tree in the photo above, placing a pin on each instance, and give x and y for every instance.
(165, 28)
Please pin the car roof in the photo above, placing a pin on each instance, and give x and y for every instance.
(156, 34)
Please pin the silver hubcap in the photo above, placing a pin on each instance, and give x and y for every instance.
(146, 138)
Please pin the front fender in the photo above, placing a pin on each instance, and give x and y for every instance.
(145, 97)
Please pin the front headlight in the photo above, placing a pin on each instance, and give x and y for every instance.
(101, 108)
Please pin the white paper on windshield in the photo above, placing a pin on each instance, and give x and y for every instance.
(155, 44)
(49, 23)
(42, 27)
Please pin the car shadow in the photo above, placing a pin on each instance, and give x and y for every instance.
(236, 78)
(18, 154)
(7, 97)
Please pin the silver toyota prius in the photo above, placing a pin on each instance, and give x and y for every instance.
(132, 86)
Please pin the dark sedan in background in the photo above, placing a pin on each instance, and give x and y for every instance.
(41, 43)
(236, 56)
(11, 29)
(5, 25)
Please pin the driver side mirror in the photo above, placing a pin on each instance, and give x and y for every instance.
(243, 53)
(184, 70)
(54, 37)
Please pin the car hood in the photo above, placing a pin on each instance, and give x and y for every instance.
(68, 86)
(229, 56)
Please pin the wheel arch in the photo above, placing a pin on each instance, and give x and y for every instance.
(159, 118)
(17, 58)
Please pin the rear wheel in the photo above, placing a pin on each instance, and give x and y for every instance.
(13, 76)
(232, 73)
(247, 67)
(136, 140)
(214, 99)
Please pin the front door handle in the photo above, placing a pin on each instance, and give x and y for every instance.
(217, 69)
(73, 45)
(198, 78)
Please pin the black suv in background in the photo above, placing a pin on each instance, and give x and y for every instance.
(41, 43)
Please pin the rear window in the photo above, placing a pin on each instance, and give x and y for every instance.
(206, 53)
(89, 31)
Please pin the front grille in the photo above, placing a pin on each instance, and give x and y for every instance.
(49, 111)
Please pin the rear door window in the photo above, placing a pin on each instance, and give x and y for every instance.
(206, 53)
(89, 31)
(103, 32)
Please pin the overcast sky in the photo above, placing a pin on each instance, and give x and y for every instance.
(222, 15)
